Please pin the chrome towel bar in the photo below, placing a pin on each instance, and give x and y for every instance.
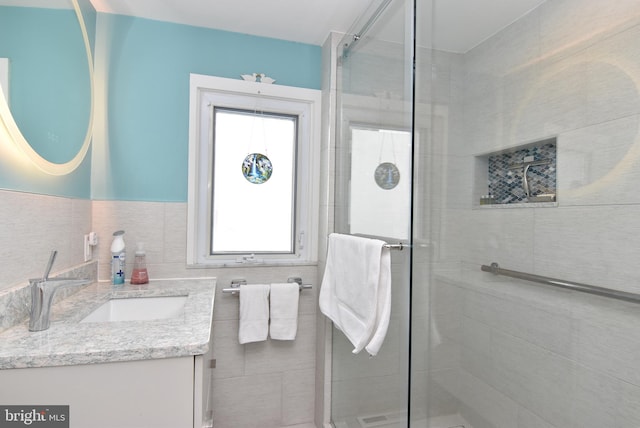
(399, 246)
(576, 286)
(235, 285)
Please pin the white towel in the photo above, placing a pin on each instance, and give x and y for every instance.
(284, 311)
(356, 290)
(254, 313)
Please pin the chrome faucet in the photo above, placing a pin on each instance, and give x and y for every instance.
(42, 292)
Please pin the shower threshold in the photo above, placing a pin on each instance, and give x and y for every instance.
(448, 421)
(390, 420)
(399, 420)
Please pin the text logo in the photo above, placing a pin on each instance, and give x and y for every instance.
(34, 416)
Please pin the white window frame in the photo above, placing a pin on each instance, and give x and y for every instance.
(217, 91)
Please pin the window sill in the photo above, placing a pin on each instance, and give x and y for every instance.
(233, 264)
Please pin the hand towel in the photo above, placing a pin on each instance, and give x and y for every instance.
(284, 311)
(356, 290)
(383, 310)
(254, 313)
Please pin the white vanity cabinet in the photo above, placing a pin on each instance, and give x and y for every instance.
(171, 392)
(152, 373)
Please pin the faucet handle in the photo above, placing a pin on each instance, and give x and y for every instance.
(47, 269)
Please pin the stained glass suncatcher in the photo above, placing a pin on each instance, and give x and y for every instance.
(257, 168)
(387, 175)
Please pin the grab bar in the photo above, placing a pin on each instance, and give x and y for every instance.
(576, 286)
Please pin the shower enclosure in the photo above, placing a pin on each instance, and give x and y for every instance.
(516, 146)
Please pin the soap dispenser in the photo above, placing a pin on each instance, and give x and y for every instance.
(140, 275)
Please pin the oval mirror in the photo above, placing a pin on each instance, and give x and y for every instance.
(47, 108)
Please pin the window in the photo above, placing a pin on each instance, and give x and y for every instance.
(253, 212)
(253, 173)
(380, 182)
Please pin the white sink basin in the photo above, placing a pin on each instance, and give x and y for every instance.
(138, 309)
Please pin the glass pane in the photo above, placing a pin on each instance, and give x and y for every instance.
(380, 201)
(504, 352)
(374, 94)
(253, 217)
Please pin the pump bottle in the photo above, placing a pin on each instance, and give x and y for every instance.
(118, 258)
(140, 275)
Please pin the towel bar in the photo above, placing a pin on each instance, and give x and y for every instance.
(399, 246)
(235, 285)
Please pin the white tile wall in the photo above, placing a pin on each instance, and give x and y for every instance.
(609, 344)
(283, 371)
(248, 402)
(590, 22)
(612, 77)
(589, 244)
(485, 406)
(526, 419)
(298, 396)
(508, 343)
(31, 226)
(532, 357)
(597, 165)
(484, 236)
(556, 101)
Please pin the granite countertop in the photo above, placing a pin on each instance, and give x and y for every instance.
(69, 342)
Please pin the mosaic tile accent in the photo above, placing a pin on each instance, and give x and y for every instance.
(505, 182)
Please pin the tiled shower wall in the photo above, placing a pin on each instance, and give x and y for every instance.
(538, 79)
(512, 355)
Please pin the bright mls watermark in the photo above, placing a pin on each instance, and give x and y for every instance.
(34, 416)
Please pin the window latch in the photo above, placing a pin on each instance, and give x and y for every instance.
(301, 240)
(249, 259)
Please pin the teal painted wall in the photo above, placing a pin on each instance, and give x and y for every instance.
(147, 75)
(49, 95)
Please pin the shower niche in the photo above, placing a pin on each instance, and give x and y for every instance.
(517, 177)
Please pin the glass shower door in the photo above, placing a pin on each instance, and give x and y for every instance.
(373, 199)
(533, 165)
